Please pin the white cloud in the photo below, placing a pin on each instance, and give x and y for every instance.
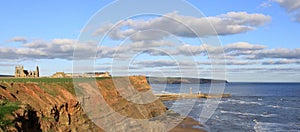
(171, 23)
(231, 62)
(18, 39)
(244, 18)
(189, 64)
(278, 53)
(156, 63)
(64, 49)
(204, 49)
(239, 53)
(40, 49)
(281, 62)
(292, 7)
(266, 4)
(263, 69)
(243, 46)
(289, 5)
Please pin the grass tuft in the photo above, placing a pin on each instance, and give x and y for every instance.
(6, 108)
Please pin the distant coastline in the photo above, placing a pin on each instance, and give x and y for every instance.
(184, 80)
(6, 76)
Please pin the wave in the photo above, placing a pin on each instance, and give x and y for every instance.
(243, 102)
(268, 126)
(283, 107)
(248, 114)
(162, 92)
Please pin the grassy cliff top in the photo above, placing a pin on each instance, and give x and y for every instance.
(45, 80)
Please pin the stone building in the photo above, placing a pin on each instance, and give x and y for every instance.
(97, 74)
(20, 72)
(58, 75)
(76, 75)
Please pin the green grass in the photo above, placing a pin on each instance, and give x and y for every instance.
(47, 90)
(45, 80)
(48, 80)
(66, 83)
(5, 109)
(68, 86)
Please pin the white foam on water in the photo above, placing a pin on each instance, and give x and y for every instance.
(268, 115)
(243, 102)
(276, 127)
(238, 113)
(247, 114)
(274, 106)
(277, 106)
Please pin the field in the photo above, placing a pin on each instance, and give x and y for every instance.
(48, 80)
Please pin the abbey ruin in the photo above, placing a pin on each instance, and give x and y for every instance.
(20, 72)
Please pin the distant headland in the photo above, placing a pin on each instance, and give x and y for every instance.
(182, 80)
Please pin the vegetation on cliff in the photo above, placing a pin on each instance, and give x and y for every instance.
(7, 108)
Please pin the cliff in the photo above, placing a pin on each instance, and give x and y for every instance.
(43, 107)
(51, 105)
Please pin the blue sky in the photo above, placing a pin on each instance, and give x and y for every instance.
(262, 45)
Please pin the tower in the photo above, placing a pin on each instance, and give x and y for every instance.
(16, 71)
(37, 74)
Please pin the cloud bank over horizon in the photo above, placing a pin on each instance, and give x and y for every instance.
(238, 53)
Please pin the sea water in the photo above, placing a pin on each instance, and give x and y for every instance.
(253, 106)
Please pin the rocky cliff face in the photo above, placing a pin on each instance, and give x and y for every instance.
(44, 107)
(54, 106)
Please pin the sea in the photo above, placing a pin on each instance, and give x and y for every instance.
(253, 107)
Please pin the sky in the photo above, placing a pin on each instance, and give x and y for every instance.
(246, 41)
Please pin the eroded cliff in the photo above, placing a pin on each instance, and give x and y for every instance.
(53, 106)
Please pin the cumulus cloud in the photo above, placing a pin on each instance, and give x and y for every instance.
(283, 53)
(239, 53)
(263, 69)
(155, 48)
(64, 49)
(156, 63)
(281, 62)
(230, 62)
(189, 50)
(243, 46)
(250, 51)
(40, 49)
(291, 6)
(185, 26)
(244, 18)
(189, 64)
(18, 39)
(230, 49)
